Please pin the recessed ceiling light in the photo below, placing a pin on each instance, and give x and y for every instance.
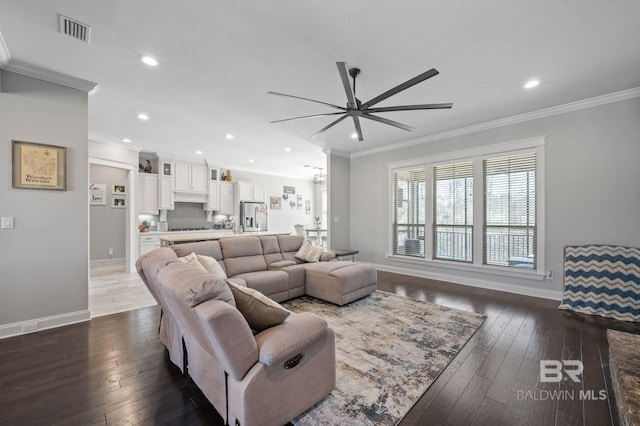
(531, 84)
(354, 135)
(198, 152)
(126, 140)
(149, 60)
(228, 136)
(287, 149)
(251, 161)
(143, 116)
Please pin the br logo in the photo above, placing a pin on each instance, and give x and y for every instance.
(551, 370)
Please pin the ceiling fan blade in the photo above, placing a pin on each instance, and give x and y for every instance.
(387, 121)
(306, 99)
(399, 88)
(356, 122)
(304, 117)
(409, 107)
(344, 76)
(324, 129)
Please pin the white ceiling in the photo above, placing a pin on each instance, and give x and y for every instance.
(217, 60)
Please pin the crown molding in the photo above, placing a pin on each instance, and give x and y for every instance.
(40, 73)
(542, 113)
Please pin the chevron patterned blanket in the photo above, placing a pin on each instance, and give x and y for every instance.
(602, 280)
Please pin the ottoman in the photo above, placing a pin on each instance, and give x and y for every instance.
(340, 282)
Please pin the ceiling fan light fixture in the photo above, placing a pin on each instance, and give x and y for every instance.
(356, 110)
(354, 135)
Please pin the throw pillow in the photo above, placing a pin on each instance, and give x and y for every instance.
(308, 252)
(192, 260)
(209, 287)
(259, 311)
(211, 265)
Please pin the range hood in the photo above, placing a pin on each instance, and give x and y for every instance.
(190, 197)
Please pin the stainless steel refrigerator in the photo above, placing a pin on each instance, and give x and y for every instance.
(253, 216)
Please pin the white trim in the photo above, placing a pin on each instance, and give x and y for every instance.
(469, 267)
(17, 328)
(40, 73)
(515, 119)
(485, 150)
(5, 56)
(477, 155)
(473, 282)
(131, 248)
(114, 261)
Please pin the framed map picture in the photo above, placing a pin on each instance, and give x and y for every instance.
(38, 166)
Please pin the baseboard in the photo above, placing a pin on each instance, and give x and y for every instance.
(39, 324)
(96, 262)
(473, 282)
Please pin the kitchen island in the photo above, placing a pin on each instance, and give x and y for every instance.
(182, 238)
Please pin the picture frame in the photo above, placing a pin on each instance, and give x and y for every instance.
(118, 203)
(118, 189)
(289, 189)
(97, 194)
(275, 203)
(38, 166)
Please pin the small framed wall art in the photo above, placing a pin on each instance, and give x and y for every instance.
(117, 189)
(38, 166)
(118, 203)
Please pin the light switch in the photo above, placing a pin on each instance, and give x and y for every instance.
(7, 223)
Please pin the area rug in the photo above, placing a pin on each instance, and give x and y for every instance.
(389, 349)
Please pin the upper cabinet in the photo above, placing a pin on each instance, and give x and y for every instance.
(148, 184)
(251, 192)
(190, 177)
(226, 198)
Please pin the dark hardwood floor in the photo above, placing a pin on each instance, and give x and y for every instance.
(114, 370)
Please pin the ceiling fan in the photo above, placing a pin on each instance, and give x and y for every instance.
(356, 109)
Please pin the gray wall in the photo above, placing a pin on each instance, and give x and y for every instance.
(283, 220)
(107, 224)
(340, 191)
(592, 188)
(44, 260)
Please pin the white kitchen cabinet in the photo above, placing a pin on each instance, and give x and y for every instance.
(251, 192)
(213, 197)
(148, 243)
(226, 198)
(166, 195)
(148, 185)
(190, 177)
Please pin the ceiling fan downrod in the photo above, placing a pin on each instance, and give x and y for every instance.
(353, 72)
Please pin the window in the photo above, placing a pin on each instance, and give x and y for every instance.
(510, 211)
(500, 229)
(453, 212)
(409, 212)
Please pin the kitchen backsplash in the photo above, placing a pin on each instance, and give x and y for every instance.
(187, 216)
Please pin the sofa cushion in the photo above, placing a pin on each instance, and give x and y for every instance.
(211, 265)
(192, 260)
(259, 311)
(205, 248)
(274, 283)
(308, 252)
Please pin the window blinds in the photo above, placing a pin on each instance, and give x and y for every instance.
(510, 211)
(409, 211)
(453, 211)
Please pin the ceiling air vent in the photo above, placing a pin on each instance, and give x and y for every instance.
(73, 28)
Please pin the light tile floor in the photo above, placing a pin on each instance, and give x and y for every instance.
(112, 290)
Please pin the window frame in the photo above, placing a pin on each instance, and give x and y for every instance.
(477, 155)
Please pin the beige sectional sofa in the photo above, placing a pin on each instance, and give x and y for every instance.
(253, 377)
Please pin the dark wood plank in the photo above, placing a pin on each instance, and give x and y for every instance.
(114, 369)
